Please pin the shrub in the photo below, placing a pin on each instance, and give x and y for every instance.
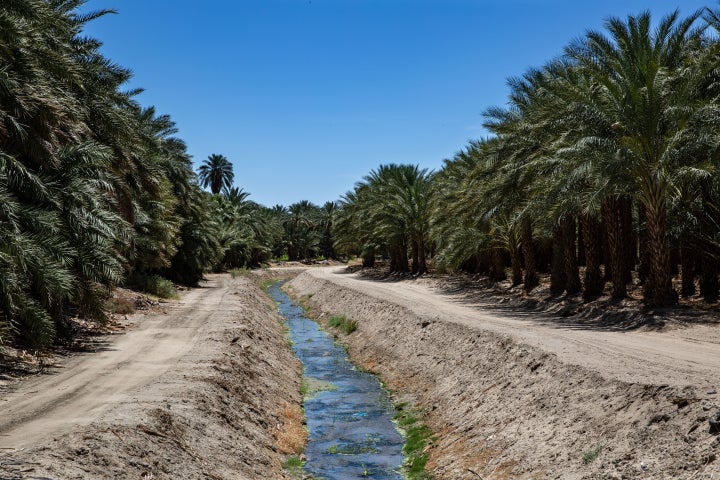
(343, 324)
(120, 305)
(591, 454)
(153, 284)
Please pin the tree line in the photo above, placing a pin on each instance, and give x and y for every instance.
(95, 190)
(604, 158)
(98, 191)
(600, 171)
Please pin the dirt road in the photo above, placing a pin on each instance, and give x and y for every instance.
(689, 356)
(91, 384)
(198, 392)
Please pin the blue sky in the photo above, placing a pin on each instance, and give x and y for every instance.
(305, 97)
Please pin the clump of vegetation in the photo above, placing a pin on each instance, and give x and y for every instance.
(240, 272)
(291, 434)
(295, 466)
(312, 386)
(590, 455)
(417, 437)
(154, 285)
(120, 305)
(343, 324)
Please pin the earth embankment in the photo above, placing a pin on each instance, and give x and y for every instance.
(517, 397)
(208, 390)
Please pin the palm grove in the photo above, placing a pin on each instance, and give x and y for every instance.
(604, 159)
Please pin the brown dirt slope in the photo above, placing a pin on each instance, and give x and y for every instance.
(520, 398)
(202, 392)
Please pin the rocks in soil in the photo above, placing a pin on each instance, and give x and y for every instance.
(714, 422)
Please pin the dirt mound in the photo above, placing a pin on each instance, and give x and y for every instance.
(505, 409)
(229, 408)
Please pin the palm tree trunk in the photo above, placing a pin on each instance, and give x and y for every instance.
(497, 268)
(368, 258)
(421, 256)
(709, 285)
(644, 267)
(593, 282)
(687, 261)
(558, 277)
(415, 257)
(629, 246)
(581, 244)
(403, 258)
(572, 272)
(614, 235)
(517, 273)
(659, 291)
(394, 258)
(531, 279)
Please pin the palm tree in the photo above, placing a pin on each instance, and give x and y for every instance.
(407, 198)
(91, 184)
(217, 173)
(303, 230)
(328, 214)
(352, 228)
(647, 97)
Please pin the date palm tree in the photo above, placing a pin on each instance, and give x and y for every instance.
(91, 184)
(647, 96)
(216, 172)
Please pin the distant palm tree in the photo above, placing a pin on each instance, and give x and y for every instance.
(217, 173)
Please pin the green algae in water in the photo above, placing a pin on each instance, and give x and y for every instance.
(351, 429)
(312, 386)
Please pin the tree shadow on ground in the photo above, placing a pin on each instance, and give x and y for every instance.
(561, 311)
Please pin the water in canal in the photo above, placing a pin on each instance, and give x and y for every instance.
(352, 435)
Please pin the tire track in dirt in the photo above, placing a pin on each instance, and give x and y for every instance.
(681, 357)
(89, 385)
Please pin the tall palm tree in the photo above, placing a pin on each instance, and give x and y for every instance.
(217, 173)
(91, 184)
(303, 230)
(647, 95)
(328, 214)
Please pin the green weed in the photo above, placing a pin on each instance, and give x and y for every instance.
(311, 386)
(592, 454)
(351, 449)
(343, 324)
(294, 466)
(153, 284)
(417, 437)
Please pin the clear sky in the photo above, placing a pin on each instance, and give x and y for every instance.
(305, 97)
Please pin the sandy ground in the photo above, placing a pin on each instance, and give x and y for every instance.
(208, 390)
(519, 395)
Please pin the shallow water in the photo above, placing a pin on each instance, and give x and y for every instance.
(351, 430)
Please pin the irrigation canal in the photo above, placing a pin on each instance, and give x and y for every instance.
(349, 413)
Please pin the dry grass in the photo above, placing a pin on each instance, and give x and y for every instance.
(291, 434)
(120, 305)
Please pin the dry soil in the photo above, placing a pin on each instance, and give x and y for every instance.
(521, 396)
(208, 390)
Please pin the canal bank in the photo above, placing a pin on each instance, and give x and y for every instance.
(225, 407)
(349, 414)
(504, 409)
